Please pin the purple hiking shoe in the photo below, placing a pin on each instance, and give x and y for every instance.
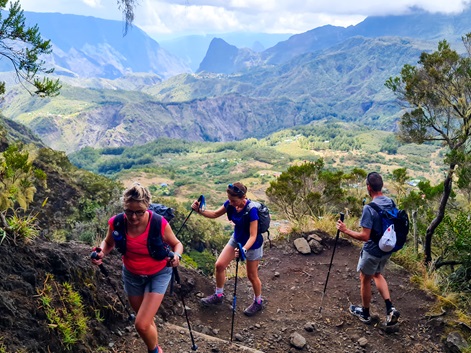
(213, 299)
(253, 308)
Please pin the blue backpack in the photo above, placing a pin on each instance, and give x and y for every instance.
(394, 218)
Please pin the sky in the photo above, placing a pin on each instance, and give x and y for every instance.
(169, 19)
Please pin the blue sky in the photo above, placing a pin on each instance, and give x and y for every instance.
(165, 19)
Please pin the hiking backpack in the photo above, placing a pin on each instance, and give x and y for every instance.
(395, 227)
(263, 217)
(158, 249)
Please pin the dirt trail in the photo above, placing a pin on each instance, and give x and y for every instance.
(292, 288)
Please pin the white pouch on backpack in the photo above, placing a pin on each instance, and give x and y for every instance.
(388, 240)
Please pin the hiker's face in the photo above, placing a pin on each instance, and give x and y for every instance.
(236, 201)
(135, 212)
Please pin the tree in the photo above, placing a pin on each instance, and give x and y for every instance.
(399, 177)
(23, 46)
(438, 94)
(306, 190)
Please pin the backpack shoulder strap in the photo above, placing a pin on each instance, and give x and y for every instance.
(155, 224)
(375, 207)
(119, 222)
(119, 232)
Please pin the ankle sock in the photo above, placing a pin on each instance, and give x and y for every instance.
(388, 305)
(365, 312)
(219, 291)
(257, 299)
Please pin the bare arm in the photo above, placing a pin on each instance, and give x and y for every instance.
(106, 246)
(253, 235)
(177, 247)
(364, 235)
(208, 213)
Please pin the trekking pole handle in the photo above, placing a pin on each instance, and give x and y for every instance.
(342, 215)
(242, 252)
(94, 256)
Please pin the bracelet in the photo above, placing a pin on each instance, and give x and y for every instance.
(179, 256)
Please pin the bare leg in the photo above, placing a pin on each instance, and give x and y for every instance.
(252, 275)
(226, 256)
(146, 307)
(382, 285)
(365, 289)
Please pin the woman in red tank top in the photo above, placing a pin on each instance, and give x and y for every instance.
(145, 278)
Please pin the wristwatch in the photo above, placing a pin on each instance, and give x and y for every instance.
(179, 256)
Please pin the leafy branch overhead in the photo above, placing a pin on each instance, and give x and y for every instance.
(127, 7)
(23, 47)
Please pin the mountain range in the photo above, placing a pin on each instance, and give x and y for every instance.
(126, 98)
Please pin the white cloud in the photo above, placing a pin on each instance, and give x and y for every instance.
(180, 17)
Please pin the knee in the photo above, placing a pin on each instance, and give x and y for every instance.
(253, 277)
(142, 327)
(220, 267)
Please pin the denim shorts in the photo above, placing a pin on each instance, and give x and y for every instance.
(370, 265)
(252, 254)
(137, 285)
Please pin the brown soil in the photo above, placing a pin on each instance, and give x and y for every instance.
(293, 285)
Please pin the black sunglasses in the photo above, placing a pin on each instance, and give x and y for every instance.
(130, 213)
(236, 189)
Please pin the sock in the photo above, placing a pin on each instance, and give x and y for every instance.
(388, 305)
(365, 312)
(155, 350)
(219, 291)
(258, 299)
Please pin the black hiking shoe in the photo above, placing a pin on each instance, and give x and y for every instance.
(392, 317)
(358, 312)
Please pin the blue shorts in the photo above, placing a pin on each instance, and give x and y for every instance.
(370, 265)
(137, 285)
(252, 254)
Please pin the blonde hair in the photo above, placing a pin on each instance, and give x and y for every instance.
(136, 193)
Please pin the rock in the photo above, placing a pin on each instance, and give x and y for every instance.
(362, 341)
(316, 247)
(302, 246)
(455, 343)
(309, 326)
(297, 341)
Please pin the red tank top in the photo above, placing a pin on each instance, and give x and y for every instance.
(137, 259)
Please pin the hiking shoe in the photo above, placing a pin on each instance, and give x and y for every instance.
(253, 308)
(392, 317)
(213, 299)
(358, 312)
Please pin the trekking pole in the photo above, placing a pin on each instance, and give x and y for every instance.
(200, 199)
(331, 260)
(94, 255)
(234, 297)
(176, 276)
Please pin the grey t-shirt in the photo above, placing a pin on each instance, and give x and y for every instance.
(370, 219)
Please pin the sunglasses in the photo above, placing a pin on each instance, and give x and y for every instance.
(235, 189)
(130, 213)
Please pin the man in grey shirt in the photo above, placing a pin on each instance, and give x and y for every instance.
(372, 258)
